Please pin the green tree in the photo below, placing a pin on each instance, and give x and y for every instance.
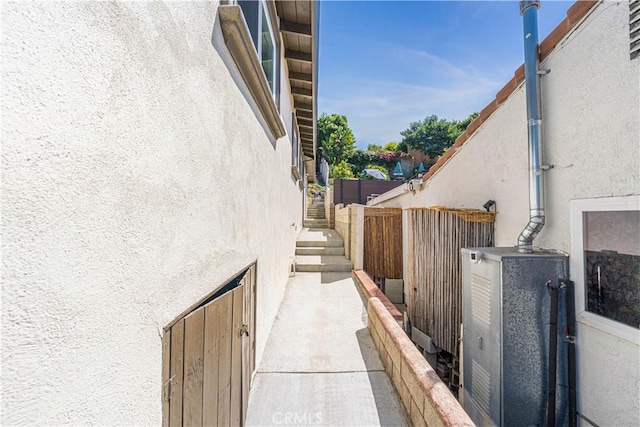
(359, 159)
(462, 125)
(433, 136)
(335, 138)
(391, 146)
(341, 170)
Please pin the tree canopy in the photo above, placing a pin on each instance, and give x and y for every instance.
(335, 138)
(433, 136)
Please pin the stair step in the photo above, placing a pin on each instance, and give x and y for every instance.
(316, 263)
(320, 250)
(320, 243)
(315, 221)
(319, 238)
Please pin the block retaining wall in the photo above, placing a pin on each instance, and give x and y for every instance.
(425, 398)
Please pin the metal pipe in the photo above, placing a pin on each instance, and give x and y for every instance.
(569, 331)
(553, 355)
(529, 12)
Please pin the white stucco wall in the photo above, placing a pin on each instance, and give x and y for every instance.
(591, 115)
(136, 179)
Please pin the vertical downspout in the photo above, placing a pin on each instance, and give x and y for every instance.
(529, 12)
(553, 355)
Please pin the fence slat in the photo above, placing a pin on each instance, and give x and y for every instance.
(383, 242)
(177, 358)
(434, 281)
(193, 368)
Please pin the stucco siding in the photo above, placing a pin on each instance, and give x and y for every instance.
(591, 131)
(136, 178)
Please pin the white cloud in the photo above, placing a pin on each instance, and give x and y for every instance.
(379, 109)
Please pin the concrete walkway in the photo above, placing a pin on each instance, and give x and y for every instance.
(320, 366)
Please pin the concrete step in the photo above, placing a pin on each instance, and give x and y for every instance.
(319, 237)
(320, 250)
(315, 223)
(315, 215)
(320, 263)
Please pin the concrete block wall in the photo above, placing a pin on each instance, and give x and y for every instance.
(356, 246)
(370, 289)
(329, 207)
(425, 398)
(342, 225)
(353, 233)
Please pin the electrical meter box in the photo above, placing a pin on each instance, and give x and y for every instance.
(506, 336)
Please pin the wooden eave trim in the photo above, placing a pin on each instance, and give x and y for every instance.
(305, 122)
(302, 107)
(238, 40)
(301, 91)
(295, 28)
(296, 55)
(303, 77)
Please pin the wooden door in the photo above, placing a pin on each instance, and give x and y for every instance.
(248, 339)
(208, 360)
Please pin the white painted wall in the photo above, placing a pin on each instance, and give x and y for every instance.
(136, 178)
(591, 114)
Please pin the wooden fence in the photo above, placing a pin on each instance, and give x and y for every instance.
(348, 191)
(383, 242)
(434, 282)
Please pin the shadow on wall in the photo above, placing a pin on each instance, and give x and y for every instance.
(384, 393)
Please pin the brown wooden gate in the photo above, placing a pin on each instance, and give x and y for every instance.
(208, 360)
(383, 242)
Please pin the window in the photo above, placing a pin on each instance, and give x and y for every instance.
(605, 263)
(257, 17)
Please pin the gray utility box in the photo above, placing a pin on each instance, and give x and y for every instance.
(506, 336)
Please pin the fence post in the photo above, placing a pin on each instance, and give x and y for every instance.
(405, 252)
(358, 262)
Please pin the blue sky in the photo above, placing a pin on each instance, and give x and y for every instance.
(385, 64)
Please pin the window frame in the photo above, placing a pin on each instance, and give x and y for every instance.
(262, 7)
(577, 263)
